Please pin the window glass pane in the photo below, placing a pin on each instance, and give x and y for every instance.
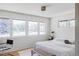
(4, 27)
(18, 28)
(67, 23)
(63, 24)
(72, 23)
(33, 28)
(42, 28)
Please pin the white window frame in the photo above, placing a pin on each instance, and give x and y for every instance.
(68, 25)
(20, 34)
(26, 31)
(62, 26)
(31, 34)
(6, 35)
(42, 33)
(72, 25)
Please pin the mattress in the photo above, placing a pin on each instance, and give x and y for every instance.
(57, 48)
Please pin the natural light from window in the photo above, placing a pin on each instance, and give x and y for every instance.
(42, 28)
(72, 23)
(32, 28)
(4, 27)
(19, 28)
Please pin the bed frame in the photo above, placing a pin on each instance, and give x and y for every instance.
(40, 52)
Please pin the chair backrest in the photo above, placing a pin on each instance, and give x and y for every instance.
(9, 41)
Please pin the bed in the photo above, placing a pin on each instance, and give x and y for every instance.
(55, 48)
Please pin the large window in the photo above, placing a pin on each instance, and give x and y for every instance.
(72, 23)
(18, 28)
(32, 28)
(62, 24)
(67, 23)
(4, 27)
(42, 28)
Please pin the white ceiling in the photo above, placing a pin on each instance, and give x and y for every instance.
(35, 8)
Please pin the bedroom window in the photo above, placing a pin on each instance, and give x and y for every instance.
(32, 28)
(18, 28)
(42, 28)
(4, 27)
(67, 23)
(72, 23)
(62, 23)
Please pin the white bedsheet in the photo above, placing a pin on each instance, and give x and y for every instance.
(56, 47)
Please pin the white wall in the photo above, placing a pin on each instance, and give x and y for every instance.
(26, 41)
(66, 33)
